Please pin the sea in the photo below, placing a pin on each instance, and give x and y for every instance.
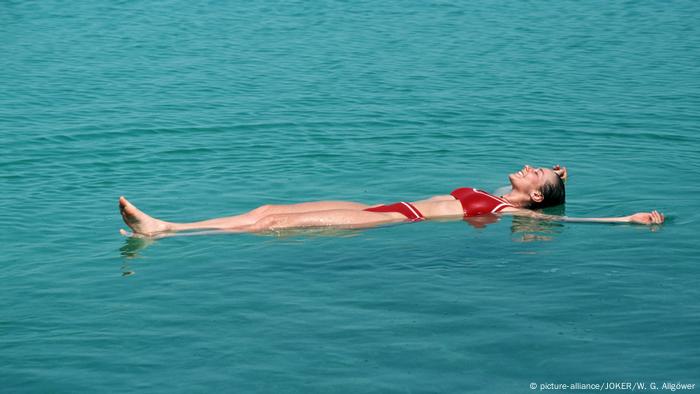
(195, 110)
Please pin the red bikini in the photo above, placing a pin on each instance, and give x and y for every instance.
(405, 208)
(474, 203)
(478, 202)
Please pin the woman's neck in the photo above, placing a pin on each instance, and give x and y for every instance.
(516, 198)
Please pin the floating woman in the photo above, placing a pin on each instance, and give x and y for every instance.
(531, 189)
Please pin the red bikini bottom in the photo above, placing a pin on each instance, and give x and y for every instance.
(405, 208)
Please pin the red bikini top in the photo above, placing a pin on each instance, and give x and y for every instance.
(478, 202)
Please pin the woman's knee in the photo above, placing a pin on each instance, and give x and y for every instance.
(262, 210)
(269, 222)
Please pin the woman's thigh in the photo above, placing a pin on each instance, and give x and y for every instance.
(339, 218)
(313, 207)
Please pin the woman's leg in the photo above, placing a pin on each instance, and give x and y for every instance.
(144, 224)
(337, 218)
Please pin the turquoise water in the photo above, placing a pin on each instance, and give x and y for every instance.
(195, 111)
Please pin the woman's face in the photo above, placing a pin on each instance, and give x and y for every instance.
(530, 179)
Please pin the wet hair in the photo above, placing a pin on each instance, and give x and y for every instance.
(554, 194)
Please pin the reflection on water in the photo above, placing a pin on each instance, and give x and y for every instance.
(527, 229)
(482, 221)
(314, 232)
(126, 271)
(130, 250)
(133, 245)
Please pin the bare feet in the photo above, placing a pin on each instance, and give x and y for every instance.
(139, 222)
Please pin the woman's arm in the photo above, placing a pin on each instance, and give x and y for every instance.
(653, 217)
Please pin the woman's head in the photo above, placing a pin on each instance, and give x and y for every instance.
(540, 187)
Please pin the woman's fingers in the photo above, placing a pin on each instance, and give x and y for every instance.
(653, 217)
(657, 217)
(561, 171)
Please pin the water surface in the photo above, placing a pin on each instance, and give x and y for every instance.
(195, 111)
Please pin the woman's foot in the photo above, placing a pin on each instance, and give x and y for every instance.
(139, 222)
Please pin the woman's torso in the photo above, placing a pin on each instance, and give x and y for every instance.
(462, 202)
(434, 208)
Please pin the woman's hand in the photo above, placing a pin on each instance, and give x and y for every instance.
(653, 217)
(561, 171)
